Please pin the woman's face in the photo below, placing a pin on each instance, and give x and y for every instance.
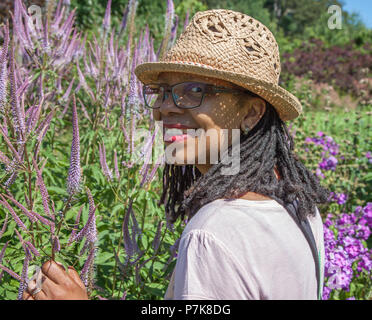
(218, 111)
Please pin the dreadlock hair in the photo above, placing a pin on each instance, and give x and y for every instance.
(186, 190)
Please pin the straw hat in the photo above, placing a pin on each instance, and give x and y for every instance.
(232, 46)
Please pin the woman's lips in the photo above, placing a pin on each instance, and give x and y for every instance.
(172, 135)
(179, 138)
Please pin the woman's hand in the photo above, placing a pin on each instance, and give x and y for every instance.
(57, 284)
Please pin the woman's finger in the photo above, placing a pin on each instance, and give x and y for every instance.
(52, 290)
(27, 296)
(75, 276)
(40, 296)
(55, 273)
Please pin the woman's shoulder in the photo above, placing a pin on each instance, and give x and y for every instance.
(224, 215)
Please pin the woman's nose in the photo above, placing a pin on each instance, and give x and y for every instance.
(167, 106)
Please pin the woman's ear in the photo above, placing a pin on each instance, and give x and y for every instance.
(254, 109)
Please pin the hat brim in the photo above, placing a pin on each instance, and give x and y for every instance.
(286, 104)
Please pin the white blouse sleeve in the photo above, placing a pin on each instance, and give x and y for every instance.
(207, 270)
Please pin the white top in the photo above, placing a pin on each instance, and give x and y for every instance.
(246, 250)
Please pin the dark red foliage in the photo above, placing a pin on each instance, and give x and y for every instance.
(341, 67)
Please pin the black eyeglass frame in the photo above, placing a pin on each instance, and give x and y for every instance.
(208, 88)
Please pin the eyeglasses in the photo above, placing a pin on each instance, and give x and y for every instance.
(186, 95)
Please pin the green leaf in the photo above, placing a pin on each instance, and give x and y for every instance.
(367, 177)
(57, 190)
(116, 208)
(154, 290)
(103, 257)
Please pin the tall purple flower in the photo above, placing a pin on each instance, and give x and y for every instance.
(18, 116)
(89, 231)
(130, 241)
(156, 242)
(117, 173)
(10, 272)
(369, 156)
(87, 273)
(44, 193)
(4, 70)
(169, 20)
(24, 276)
(74, 172)
(4, 159)
(133, 99)
(174, 31)
(75, 228)
(23, 209)
(12, 212)
(5, 224)
(65, 98)
(124, 20)
(186, 20)
(102, 156)
(107, 19)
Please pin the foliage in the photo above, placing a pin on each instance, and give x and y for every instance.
(342, 66)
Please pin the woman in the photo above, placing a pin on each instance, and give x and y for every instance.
(240, 242)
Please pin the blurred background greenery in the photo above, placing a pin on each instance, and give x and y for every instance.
(299, 26)
(291, 21)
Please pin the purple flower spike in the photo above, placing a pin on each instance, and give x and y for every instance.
(4, 227)
(133, 98)
(369, 156)
(92, 230)
(4, 159)
(83, 83)
(32, 249)
(24, 277)
(89, 230)
(14, 215)
(128, 245)
(186, 20)
(169, 20)
(56, 244)
(74, 172)
(124, 295)
(86, 274)
(124, 20)
(43, 190)
(174, 31)
(18, 117)
(2, 253)
(107, 20)
(116, 165)
(10, 272)
(75, 228)
(24, 210)
(102, 156)
(66, 96)
(156, 242)
(3, 70)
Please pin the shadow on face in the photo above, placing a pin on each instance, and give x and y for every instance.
(218, 111)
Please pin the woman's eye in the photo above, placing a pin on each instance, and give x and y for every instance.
(196, 89)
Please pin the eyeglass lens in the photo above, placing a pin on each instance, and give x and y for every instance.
(186, 95)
